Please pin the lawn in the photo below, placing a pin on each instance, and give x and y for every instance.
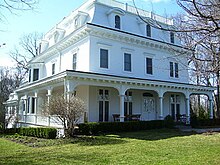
(161, 146)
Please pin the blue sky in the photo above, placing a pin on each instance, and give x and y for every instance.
(50, 12)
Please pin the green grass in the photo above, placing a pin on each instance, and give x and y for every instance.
(147, 147)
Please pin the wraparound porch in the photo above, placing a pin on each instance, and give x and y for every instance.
(106, 95)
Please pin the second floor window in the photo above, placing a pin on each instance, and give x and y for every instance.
(127, 62)
(172, 37)
(149, 65)
(148, 30)
(117, 22)
(53, 69)
(36, 75)
(74, 61)
(104, 58)
(174, 70)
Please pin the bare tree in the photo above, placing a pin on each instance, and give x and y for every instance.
(29, 48)
(199, 30)
(69, 111)
(9, 80)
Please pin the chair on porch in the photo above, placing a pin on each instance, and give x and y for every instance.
(116, 117)
(134, 117)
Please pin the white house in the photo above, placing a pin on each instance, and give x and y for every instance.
(118, 64)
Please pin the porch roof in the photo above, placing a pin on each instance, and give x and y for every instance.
(96, 78)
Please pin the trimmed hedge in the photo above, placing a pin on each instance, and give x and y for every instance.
(40, 132)
(198, 123)
(105, 127)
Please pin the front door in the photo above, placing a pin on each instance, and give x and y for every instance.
(148, 112)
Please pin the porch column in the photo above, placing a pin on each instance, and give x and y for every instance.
(69, 89)
(122, 115)
(161, 107)
(26, 108)
(187, 111)
(211, 108)
(35, 105)
(49, 91)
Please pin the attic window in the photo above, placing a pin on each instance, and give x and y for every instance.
(117, 22)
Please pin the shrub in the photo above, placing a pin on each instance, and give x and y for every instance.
(197, 123)
(168, 121)
(106, 127)
(40, 132)
(48, 133)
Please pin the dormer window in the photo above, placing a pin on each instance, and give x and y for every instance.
(172, 37)
(36, 75)
(148, 30)
(117, 22)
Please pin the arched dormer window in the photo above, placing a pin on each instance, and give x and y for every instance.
(117, 22)
(148, 30)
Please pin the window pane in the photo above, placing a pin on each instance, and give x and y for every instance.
(127, 62)
(171, 69)
(149, 66)
(117, 22)
(36, 75)
(176, 70)
(103, 58)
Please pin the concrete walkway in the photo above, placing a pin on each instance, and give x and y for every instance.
(197, 130)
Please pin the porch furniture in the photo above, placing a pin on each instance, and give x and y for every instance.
(134, 117)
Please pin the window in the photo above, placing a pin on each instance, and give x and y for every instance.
(174, 70)
(172, 37)
(36, 75)
(104, 58)
(171, 69)
(117, 22)
(74, 61)
(33, 105)
(149, 66)
(103, 105)
(53, 69)
(128, 105)
(127, 62)
(148, 30)
(29, 75)
(28, 105)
